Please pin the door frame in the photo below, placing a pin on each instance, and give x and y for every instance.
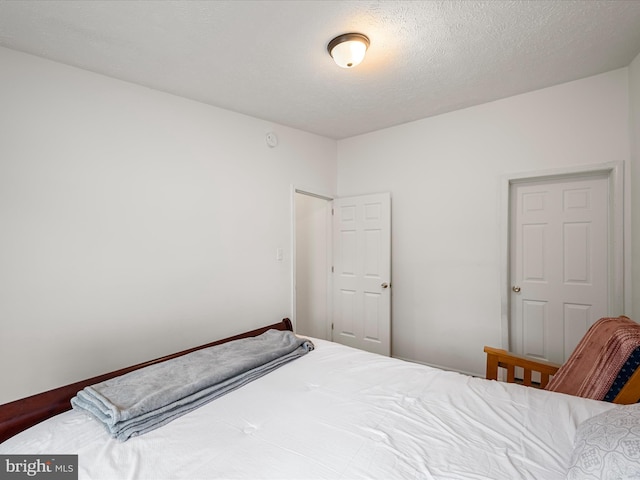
(329, 198)
(618, 296)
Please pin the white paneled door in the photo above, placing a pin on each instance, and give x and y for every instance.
(559, 263)
(362, 272)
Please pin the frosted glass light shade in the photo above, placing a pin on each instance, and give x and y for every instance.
(348, 50)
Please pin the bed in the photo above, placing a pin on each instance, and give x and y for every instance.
(335, 413)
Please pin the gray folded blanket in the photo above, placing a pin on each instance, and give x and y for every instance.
(145, 399)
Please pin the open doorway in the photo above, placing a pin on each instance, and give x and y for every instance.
(312, 264)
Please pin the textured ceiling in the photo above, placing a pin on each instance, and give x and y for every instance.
(268, 59)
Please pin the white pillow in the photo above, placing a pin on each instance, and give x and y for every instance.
(607, 446)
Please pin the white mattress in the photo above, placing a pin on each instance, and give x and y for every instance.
(339, 413)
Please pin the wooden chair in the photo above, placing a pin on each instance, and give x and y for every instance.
(604, 366)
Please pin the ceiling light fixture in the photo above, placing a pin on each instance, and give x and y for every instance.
(348, 50)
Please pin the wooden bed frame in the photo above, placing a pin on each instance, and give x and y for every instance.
(21, 414)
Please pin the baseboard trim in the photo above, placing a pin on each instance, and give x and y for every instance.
(439, 367)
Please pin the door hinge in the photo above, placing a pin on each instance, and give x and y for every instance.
(332, 212)
(331, 268)
(332, 326)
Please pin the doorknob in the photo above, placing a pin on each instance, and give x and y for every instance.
(385, 285)
(516, 289)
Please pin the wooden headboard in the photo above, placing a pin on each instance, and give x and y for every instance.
(21, 414)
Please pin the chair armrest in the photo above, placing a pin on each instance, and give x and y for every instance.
(498, 358)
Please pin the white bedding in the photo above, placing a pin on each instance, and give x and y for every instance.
(338, 413)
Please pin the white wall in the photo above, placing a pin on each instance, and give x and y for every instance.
(444, 174)
(634, 93)
(135, 223)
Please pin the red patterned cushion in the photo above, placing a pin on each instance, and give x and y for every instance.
(594, 364)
